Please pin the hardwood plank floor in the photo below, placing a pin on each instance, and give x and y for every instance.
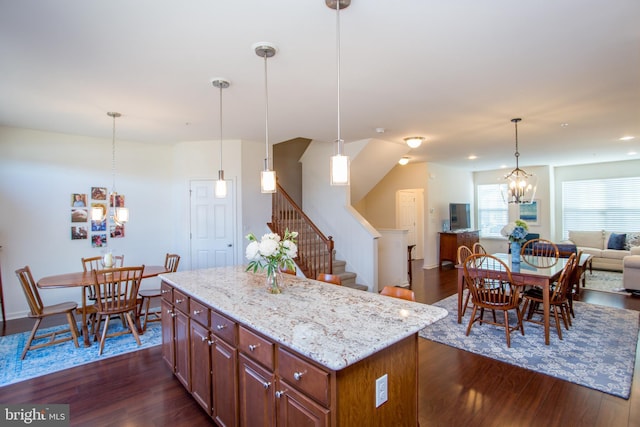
(456, 388)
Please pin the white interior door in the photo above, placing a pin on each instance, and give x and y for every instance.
(410, 217)
(212, 226)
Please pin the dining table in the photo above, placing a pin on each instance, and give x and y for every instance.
(84, 279)
(523, 273)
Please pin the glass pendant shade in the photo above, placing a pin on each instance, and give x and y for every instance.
(97, 214)
(340, 170)
(121, 215)
(267, 181)
(220, 191)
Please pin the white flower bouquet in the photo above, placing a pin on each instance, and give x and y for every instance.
(272, 252)
(515, 231)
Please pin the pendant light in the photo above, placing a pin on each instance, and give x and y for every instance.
(119, 214)
(267, 176)
(339, 162)
(220, 191)
(521, 186)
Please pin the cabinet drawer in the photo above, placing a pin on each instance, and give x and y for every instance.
(199, 313)
(166, 291)
(258, 348)
(181, 301)
(309, 379)
(223, 327)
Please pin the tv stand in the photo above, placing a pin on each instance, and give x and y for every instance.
(450, 240)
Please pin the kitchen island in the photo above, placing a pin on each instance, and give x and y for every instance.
(317, 354)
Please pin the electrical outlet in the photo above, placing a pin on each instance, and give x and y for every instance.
(382, 393)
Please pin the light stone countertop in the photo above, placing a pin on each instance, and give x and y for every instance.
(333, 325)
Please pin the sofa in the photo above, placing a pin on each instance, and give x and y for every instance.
(631, 274)
(608, 248)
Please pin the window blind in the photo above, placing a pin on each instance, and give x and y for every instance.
(493, 212)
(601, 204)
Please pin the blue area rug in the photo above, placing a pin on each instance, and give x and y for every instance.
(55, 358)
(598, 351)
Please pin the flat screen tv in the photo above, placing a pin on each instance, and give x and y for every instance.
(459, 216)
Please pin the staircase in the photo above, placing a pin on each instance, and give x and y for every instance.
(315, 251)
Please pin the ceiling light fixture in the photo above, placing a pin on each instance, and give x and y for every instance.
(220, 191)
(339, 162)
(627, 138)
(521, 186)
(414, 141)
(403, 160)
(267, 176)
(119, 214)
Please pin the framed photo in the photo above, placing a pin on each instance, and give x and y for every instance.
(530, 213)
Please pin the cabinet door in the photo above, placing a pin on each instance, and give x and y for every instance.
(257, 400)
(200, 366)
(295, 409)
(224, 360)
(181, 325)
(168, 337)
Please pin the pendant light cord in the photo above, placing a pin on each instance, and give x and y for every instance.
(113, 156)
(220, 127)
(266, 115)
(517, 153)
(338, 72)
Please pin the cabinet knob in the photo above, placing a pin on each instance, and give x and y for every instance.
(210, 342)
(252, 347)
(298, 375)
(220, 327)
(179, 301)
(280, 393)
(164, 291)
(204, 339)
(266, 384)
(196, 312)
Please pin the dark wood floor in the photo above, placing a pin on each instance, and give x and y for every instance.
(457, 388)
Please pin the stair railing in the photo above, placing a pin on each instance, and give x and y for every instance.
(315, 250)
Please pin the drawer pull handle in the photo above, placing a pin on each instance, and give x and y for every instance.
(220, 327)
(196, 312)
(280, 393)
(252, 347)
(179, 301)
(266, 385)
(173, 314)
(210, 342)
(164, 291)
(204, 339)
(298, 375)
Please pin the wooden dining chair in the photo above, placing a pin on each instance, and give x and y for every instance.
(95, 263)
(481, 274)
(286, 270)
(119, 290)
(397, 292)
(540, 253)
(39, 311)
(171, 262)
(329, 278)
(558, 299)
(478, 249)
(463, 253)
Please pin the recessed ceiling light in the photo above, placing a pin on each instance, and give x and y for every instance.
(403, 160)
(627, 138)
(472, 157)
(564, 125)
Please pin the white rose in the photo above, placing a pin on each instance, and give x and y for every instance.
(268, 247)
(253, 251)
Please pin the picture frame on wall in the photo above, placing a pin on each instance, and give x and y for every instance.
(530, 212)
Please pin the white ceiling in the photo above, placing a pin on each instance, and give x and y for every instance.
(453, 71)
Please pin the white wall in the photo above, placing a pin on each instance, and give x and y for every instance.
(40, 170)
(38, 173)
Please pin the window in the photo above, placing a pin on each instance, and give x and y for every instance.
(493, 212)
(601, 204)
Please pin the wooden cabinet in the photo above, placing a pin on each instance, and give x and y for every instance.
(243, 378)
(449, 243)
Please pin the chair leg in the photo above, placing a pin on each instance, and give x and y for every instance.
(104, 334)
(73, 328)
(473, 315)
(464, 307)
(506, 327)
(31, 336)
(555, 315)
(133, 327)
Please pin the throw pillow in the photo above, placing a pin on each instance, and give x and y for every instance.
(633, 239)
(616, 241)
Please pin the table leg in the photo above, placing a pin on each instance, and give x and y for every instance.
(85, 329)
(546, 305)
(460, 290)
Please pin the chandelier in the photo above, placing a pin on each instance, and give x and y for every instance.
(118, 213)
(521, 186)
